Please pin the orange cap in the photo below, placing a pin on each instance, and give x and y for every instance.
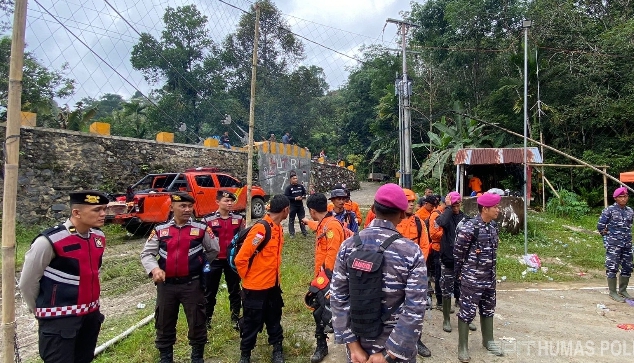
(409, 194)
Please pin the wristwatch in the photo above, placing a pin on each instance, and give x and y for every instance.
(388, 358)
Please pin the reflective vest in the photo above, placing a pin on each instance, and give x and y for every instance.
(180, 248)
(224, 229)
(70, 284)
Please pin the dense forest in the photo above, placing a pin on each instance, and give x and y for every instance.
(465, 61)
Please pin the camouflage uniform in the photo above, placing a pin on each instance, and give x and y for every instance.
(348, 218)
(404, 276)
(476, 268)
(617, 222)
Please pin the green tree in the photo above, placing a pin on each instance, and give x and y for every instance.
(40, 86)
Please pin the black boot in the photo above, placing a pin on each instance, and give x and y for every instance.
(167, 355)
(235, 321)
(197, 353)
(278, 354)
(245, 357)
(321, 351)
(423, 351)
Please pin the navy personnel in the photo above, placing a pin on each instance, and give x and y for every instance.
(615, 225)
(180, 245)
(224, 225)
(475, 257)
(402, 279)
(60, 281)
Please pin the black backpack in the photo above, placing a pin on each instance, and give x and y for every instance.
(366, 289)
(238, 240)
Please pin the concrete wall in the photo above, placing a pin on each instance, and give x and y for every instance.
(54, 162)
(511, 217)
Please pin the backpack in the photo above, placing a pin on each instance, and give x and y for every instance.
(419, 228)
(238, 240)
(366, 289)
(427, 224)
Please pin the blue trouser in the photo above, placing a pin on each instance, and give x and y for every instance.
(472, 298)
(617, 253)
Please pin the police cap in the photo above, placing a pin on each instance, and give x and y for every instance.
(182, 197)
(225, 194)
(90, 197)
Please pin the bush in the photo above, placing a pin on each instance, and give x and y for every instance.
(569, 205)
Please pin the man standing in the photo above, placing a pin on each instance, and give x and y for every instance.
(60, 281)
(475, 184)
(475, 258)
(349, 205)
(403, 282)
(179, 245)
(428, 214)
(330, 234)
(224, 225)
(615, 225)
(414, 229)
(446, 225)
(225, 141)
(339, 197)
(262, 295)
(286, 139)
(295, 193)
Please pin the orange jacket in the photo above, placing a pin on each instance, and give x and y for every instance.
(409, 230)
(265, 270)
(352, 207)
(422, 213)
(369, 218)
(435, 232)
(329, 237)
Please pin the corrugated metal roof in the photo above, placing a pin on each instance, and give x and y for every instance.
(487, 156)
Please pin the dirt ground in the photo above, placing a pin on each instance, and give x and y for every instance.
(554, 322)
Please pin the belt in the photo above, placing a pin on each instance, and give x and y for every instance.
(181, 280)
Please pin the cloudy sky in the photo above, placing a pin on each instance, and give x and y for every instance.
(341, 25)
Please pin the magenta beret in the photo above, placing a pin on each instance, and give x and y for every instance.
(391, 196)
(489, 199)
(455, 197)
(619, 191)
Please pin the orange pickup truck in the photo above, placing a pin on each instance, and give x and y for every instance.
(147, 201)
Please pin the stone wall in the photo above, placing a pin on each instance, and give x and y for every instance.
(511, 217)
(54, 162)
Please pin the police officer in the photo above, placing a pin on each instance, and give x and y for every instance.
(60, 281)
(474, 265)
(261, 292)
(615, 225)
(295, 192)
(414, 229)
(339, 197)
(330, 234)
(181, 245)
(404, 280)
(224, 225)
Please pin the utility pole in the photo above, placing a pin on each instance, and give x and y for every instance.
(12, 158)
(254, 67)
(526, 24)
(405, 127)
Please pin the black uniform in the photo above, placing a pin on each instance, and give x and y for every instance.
(297, 207)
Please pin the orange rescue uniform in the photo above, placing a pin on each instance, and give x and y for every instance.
(435, 233)
(369, 218)
(329, 237)
(261, 275)
(409, 230)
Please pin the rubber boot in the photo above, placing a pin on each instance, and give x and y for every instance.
(623, 281)
(167, 355)
(321, 351)
(472, 326)
(278, 353)
(422, 349)
(245, 357)
(463, 341)
(197, 353)
(613, 294)
(486, 324)
(446, 315)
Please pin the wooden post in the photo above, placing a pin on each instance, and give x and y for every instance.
(254, 66)
(605, 188)
(12, 159)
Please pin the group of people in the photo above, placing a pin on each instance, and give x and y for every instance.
(370, 286)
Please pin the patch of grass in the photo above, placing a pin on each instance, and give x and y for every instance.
(121, 274)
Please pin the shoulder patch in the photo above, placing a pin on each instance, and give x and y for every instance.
(330, 234)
